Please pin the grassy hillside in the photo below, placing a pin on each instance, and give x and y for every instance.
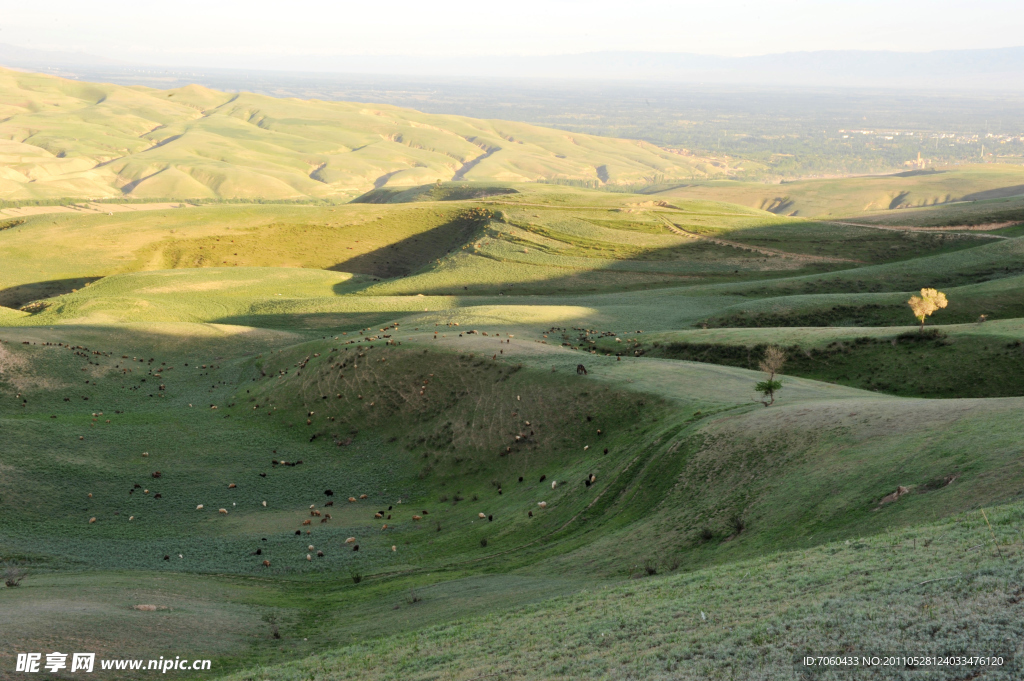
(970, 360)
(61, 138)
(843, 197)
(564, 474)
(748, 619)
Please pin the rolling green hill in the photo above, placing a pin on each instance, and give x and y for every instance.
(844, 197)
(67, 139)
(476, 429)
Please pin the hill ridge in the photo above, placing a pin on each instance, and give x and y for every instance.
(69, 139)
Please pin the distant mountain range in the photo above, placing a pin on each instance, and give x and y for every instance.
(987, 69)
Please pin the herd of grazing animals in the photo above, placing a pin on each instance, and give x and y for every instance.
(314, 513)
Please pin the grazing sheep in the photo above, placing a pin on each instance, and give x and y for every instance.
(319, 554)
(315, 514)
(351, 500)
(309, 557)
(417, 517)
(264, 503)
(364, 496)
(384, 528)
(481, 515)
(222, 510)
(554, 484)
(266, 563)
(231, 486)
(394, 548)
(350, 540)
(378, 516)
(542, 504)
(306, 522)
(131, 518)
(199, 507)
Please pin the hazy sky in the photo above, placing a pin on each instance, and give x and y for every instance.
(219, 33)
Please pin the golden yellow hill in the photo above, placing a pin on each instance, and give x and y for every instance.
(68, 139)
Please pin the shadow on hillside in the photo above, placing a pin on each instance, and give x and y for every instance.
(1000, 193)
(329, 322)
(17, 296)
(402, 258)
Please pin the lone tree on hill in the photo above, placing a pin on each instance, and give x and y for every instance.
(929, 301)
(772, 362)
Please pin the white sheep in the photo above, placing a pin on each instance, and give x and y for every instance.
(542, 504)
(199, 507)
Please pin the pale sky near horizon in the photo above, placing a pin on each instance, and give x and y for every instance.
(217, 33)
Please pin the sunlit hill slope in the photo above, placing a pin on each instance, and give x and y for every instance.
(62, 138)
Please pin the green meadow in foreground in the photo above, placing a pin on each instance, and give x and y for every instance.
(477, 430)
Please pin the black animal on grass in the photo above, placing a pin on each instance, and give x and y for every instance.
(581, 370)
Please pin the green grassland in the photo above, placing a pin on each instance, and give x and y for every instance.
(969, 360)
(522, 519)
(904, 193)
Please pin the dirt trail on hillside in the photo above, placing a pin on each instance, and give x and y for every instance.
(88, 209)
(629, 208)
(956, 229)
(757, 249)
